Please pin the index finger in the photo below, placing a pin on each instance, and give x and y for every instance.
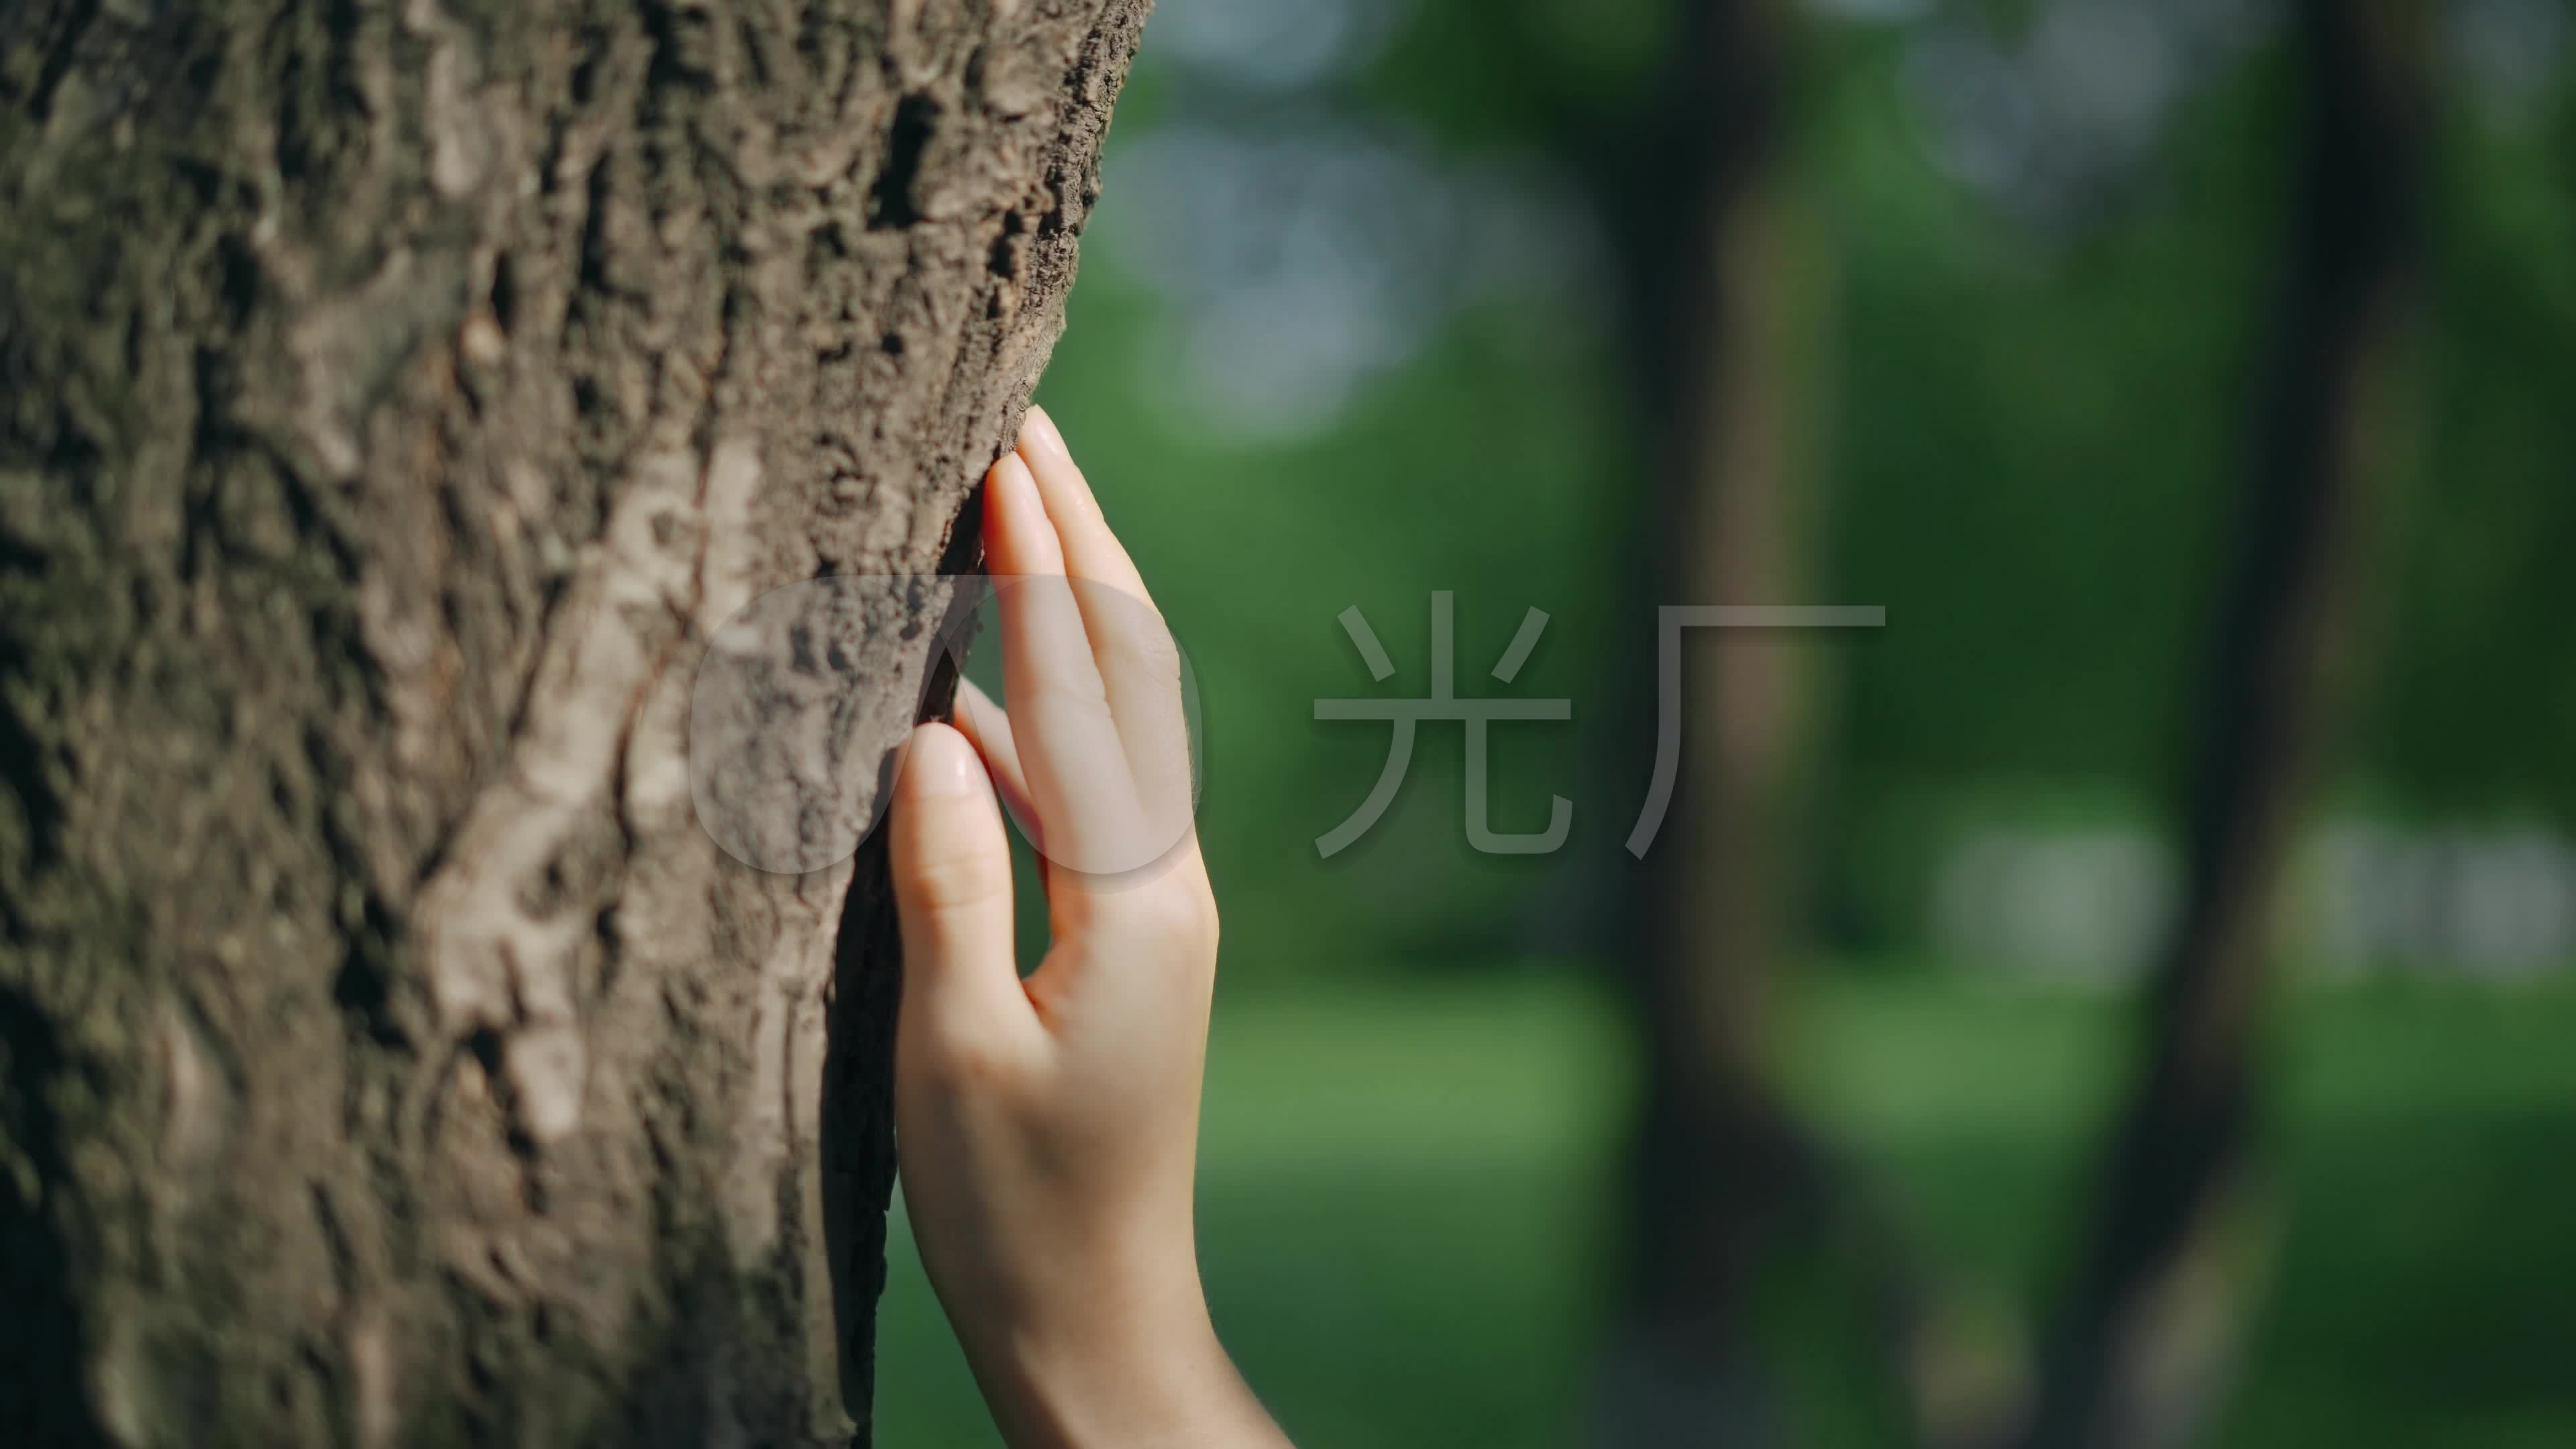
(1140, 665)
(1068, 739)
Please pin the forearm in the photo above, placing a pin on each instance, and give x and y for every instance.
(1172, 1387)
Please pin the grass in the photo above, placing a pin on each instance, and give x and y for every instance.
(1406, 1212)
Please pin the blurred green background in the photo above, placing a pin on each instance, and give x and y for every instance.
(1344, 336)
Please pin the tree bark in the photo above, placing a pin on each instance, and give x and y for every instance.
(2138, 1352)
(394, 398)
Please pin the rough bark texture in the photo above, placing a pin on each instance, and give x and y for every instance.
(2140, 1348)
(393, 399)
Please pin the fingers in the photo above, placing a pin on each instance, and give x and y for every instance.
(1069, 747)
(1132, 647)
(1091, 551)
(987, 726)
(951, 866)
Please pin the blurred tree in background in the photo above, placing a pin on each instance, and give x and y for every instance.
(2152, 1323)
(1363, 276)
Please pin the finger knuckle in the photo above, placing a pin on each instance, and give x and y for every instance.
(960, 883)
(960, 1060)
(1073, 683)
(1179, 912)
(1154, 652)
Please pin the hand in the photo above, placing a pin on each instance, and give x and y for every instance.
(1047, 1129)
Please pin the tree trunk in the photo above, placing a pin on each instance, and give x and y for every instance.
(394, 398)
(2139, 1351)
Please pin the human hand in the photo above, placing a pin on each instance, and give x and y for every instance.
(1047, 1129)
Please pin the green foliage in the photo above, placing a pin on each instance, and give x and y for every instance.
(2029, 433)
(1407, 1190)
(2028, 443)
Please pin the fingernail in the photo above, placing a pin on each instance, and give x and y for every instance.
(940, 767)
(1013, 478)
(1039, 429)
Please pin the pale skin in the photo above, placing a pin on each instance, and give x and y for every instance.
(1047, 1128)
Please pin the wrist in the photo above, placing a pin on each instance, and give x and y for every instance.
(1143, 1370)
